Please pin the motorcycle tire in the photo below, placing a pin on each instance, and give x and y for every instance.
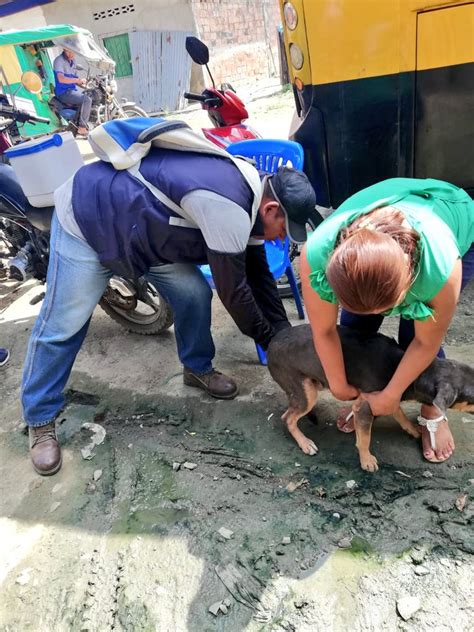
(134, 321)
(284, 288)
(131, 111)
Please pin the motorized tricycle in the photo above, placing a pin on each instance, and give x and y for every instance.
(27, 79)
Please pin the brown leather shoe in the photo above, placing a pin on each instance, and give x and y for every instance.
(214, 383)
(44, 449)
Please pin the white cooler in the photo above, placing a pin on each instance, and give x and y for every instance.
(43, 164)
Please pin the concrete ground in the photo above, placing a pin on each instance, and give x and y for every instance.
(190, 504)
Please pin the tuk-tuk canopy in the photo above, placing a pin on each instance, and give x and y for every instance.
(45, 33)
(76, 39)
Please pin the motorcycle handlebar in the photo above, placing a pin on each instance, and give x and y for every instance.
(210, 100)
(195, 97)
(20, 115)
(38, 119)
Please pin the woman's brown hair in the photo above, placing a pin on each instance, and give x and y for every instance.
(374, 263)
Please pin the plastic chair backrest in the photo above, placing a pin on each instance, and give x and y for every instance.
(269, 153)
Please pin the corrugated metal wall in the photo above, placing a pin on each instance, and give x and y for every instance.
(161, 69)
(175, 68)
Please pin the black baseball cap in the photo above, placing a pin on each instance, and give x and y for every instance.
(297, 199)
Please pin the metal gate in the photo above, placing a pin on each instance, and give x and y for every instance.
(161, 69)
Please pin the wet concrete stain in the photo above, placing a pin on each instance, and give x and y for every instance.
(241, 482)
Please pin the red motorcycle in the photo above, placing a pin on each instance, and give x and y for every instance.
(225, 109)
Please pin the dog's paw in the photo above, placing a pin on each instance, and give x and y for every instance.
(308, 447)
(369, 463)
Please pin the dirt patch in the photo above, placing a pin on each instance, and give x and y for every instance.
(312, 543)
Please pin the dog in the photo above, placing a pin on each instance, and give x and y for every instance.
(370, 361)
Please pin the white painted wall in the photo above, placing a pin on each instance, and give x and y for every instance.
(152, 15)
(30, 19)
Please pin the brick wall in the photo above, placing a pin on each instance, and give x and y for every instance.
(241, 36)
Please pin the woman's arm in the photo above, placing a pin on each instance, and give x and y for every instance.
(422, 350)
(323, 320)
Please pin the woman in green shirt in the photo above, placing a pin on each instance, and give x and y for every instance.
(400, 247)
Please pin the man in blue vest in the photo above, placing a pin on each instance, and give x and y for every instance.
(175, 210)
(68, 88)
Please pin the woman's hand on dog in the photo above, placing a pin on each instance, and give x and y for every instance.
(344, 392)
(382, 403)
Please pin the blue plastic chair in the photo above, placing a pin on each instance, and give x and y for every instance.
(269, 155)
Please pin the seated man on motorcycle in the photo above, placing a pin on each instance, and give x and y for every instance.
(176, 210)
(68, 88)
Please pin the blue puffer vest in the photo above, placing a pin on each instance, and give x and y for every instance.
(130, 228)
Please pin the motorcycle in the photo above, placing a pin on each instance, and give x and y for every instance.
(33, 89)
(225, 109)
(227, 113)
(9, 128)
(102, 90)
(25, 233)
(105, 106)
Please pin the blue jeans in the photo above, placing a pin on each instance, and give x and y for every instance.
(371, 323)
(74, 98)
(75, 283)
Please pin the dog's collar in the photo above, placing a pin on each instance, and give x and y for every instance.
(432, 426)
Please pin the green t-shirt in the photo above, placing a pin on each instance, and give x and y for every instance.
(441, 213)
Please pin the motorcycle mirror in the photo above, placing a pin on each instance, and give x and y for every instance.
(31, 82)
(199, 53)
(197, 50)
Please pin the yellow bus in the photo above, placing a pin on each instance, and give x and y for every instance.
(383, 88)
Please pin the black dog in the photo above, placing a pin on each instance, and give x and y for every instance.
(370, 361)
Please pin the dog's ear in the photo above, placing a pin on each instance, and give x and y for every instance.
(445, 396)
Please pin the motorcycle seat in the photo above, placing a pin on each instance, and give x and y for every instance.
(40, 217)
(10, 187)
(68, 113)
